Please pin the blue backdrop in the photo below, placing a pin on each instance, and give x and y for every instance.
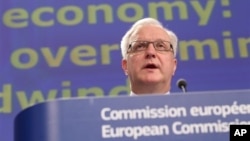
(54, 49)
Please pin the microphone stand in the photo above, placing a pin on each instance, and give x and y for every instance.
(183, 88)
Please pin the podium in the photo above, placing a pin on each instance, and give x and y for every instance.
(189, 116)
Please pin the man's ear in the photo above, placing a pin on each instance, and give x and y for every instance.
(124, 66)
(175, 66)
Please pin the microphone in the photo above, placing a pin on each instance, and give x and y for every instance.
(182, 84)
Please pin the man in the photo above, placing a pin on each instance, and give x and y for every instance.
(149, 52)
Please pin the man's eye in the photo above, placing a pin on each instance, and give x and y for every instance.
(160, 45)
(139, 46)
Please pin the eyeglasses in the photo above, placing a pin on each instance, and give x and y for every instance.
(137, 46)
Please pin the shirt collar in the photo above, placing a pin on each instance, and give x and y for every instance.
(133, 94)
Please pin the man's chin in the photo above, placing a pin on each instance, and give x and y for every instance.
(151, 78)
(151, 81)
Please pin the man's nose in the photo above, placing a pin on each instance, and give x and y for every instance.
(150, 51)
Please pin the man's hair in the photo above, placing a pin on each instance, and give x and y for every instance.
(144, 22)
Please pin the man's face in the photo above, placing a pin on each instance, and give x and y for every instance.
(150, 66)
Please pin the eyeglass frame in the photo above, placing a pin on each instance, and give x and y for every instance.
(148, 43)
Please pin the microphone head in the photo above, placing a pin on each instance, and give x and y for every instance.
(181, 83)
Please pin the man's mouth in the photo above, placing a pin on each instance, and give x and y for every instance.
(150, 66)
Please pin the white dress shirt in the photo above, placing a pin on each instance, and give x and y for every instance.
(133, 94)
